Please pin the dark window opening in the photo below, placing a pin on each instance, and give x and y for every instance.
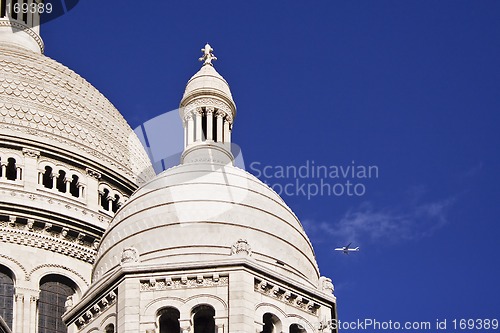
(11, 172)
(47, 178)
(110, 328)
(204, 126)
(214, 127)
(6, 295)
(204, 321)
(54, 291)
(73, 187)
(271, 323)
(2, 8)
(169, 320)
(13, 10)
(61, 182)
(104, 199)
(115, 204)
(25, 14)
(295, 328)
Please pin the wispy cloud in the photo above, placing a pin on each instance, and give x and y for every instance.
(366, 223)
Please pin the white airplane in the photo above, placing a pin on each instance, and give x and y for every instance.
(346, 249)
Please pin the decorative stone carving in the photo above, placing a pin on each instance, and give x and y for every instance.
(208, 56)
(129, 255)
(241, 248)
(326, 285)
(285, 295)
(31, 153)
(93, 173)
(69, 303)
(181, 282)
(80, 237)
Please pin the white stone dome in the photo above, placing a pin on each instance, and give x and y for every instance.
(41, 100)
(207, 81)
(196, 212)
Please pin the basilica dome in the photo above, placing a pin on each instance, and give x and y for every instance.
(198, 213)
(41, 100)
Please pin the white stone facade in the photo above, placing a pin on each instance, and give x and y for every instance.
(68, 161)
(203, 243)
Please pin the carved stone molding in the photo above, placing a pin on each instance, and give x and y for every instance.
(29, 31)
(216, 104)
(182, 282)
(285, 295)
(47, 239)
(96, 308)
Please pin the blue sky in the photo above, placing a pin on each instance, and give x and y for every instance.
(411, 87)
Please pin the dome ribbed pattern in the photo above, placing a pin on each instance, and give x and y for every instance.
(194, 213)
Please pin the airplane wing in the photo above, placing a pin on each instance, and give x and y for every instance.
(347, 247)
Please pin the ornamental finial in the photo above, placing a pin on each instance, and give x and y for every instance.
(208, 56)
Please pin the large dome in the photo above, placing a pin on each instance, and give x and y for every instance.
(44, 101)
(196, 212)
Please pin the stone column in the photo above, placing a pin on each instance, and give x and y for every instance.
(4, 170)
(226, 131)
(30, 14)
(185, 325)
(199, 131)
(19, 314)
(220, 323)
(220, 127)
(92, 196)
(190, 129)
(32, 314)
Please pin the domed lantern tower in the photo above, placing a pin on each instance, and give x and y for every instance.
(68, 161)
(205, 246)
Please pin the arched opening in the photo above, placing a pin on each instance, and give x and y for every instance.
(110, 328)
(47, 178)
(54, 291)
(104, 199)
(204, 126)
(11, 171)
(296, 328)
(6, 295)
(272, 324)
(115, 204)
(169, 320)
(73, 187)
(203, 319)
(61, 181)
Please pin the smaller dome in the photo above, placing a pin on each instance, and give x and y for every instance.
(207, 82)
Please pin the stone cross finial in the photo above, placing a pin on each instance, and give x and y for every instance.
(208, 56)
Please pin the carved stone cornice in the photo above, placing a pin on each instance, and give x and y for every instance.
(213, 103)
(96, 308)
(183, 282)
(27, 30)
(47, 238)
(286, 295)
